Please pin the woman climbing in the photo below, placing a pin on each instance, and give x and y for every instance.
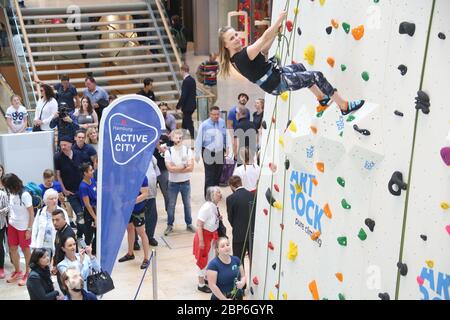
(251, 63)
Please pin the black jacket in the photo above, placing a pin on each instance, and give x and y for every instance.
(187, 101)
(239, 206)
(40, 285)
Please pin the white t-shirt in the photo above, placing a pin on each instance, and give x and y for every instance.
(18, 214)
(48, 110)
(249, 175)
(181, 156)
(17, 117)
(208, 214)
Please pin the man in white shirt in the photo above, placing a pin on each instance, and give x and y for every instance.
(180, 164)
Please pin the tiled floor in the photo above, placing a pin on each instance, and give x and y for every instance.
(176, 269)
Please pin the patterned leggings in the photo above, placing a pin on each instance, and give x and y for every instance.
(295, 77)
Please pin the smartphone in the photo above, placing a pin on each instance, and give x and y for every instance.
(81, 244)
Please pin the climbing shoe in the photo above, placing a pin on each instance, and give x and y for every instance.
(352, 106)
(325, 101)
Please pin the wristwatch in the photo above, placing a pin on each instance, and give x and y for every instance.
(29, 229)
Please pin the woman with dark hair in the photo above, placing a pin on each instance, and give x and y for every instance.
(39, 283)
(4, 210)
(46, 108)
(20, 225)
(85, 115)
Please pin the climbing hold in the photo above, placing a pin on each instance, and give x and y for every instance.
(331, 61)
(282, 226)
(420, 280)
(272, 167)
(284, 96)
(251, 291)
(403, 268)
(398, 113)
(313, 289)
(274, 266)
(335, 23)
(298, 188)
(448, 229)
(445, 155)
(315, 182)
(329, 29)
(423, 237)
(321, 108)
(341, 133)
(269, 197)
(319, 114)
(362, 234)
(296, 10)
(277, 286)
(376, 1)
(255, 280)
(365, 76)
(343, 67)
(274, 119)
(266, 212)
(407, 28)
(342, 241)
(313, 129)
(278, 205)
(441, 36)
(327, 211)
(287, 164)
(339, 276)
(281, 141)
(285, 296)
(299, 31)
(276, 187)
(370, 224)
(341, 181)
(320, 166)
(264, 124)
(341, 296)
(322, 2)
(358, 32)
(289, 25)
(346, 27)
(271, 296)
(445, 205)
(350, 118)
(292, 127)
(430, 263)
(270, 246)
(315, 235)
(384, 296)
(293, 251)
(288, 124)
(403, 69)
(310, 54)
(364, 132)
(397, 180)
(345, 204)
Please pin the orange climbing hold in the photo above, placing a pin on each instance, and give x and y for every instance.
(315, 182)
(335, 23)
(339, 276)
(321, 108)
(320, 166)
(315, 235)
(313, 129)
(313, 288)
(358, 32)
(327, 211)
(274, 119)
(331, 61)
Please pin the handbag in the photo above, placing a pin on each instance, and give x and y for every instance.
(100, 282)
(221, 230)
(37, 128)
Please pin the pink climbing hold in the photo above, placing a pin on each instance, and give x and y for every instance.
(448, 229)
(266, 212)
(255, 280)
(445, 154)
(420, 280)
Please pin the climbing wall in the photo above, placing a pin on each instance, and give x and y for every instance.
(327, 227)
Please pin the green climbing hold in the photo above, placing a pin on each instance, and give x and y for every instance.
(346, 27)
(319, 114)
(343, 67)
(351, 118)
(342, 241)
(341, 296)
(341, 181)
(376, 1)
(341, 134)
(345, 204)
(324, 298)
(362, 234)
(365, 76)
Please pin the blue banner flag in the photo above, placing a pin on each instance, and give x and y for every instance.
(130, 128)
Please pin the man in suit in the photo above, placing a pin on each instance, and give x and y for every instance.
(187, 101)
(241, 213)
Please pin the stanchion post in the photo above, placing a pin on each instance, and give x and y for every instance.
(154, 276)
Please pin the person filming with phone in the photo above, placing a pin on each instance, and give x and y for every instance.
(65, 121)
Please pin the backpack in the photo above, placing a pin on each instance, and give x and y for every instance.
(36, 195)
(180, 39)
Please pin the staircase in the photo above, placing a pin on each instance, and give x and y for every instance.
(118, 44)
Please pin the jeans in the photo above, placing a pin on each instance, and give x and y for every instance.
(77, 208)
(185, 189)
(151, 217)
(2, 247)
(163, 180)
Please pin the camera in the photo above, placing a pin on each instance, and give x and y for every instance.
(63, 110)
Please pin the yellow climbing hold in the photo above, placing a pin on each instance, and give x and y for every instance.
(322, 2)
(430, 263)
(445, 205)
(281, 141)
(339, 276)
(296, 10)
(278, 205)
(284, 96)
(327, 211)
(293, 251)
(313, 288)
(310, 54)
(293, 127)
(271, 296)
(285, 296)
(298, 188)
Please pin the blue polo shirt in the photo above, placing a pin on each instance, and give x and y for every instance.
(70, 169)
(98, 94)
(66, 95)
(139, 207)
(56, 186)
(87, 152)
(89, 190)
(232, 116)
